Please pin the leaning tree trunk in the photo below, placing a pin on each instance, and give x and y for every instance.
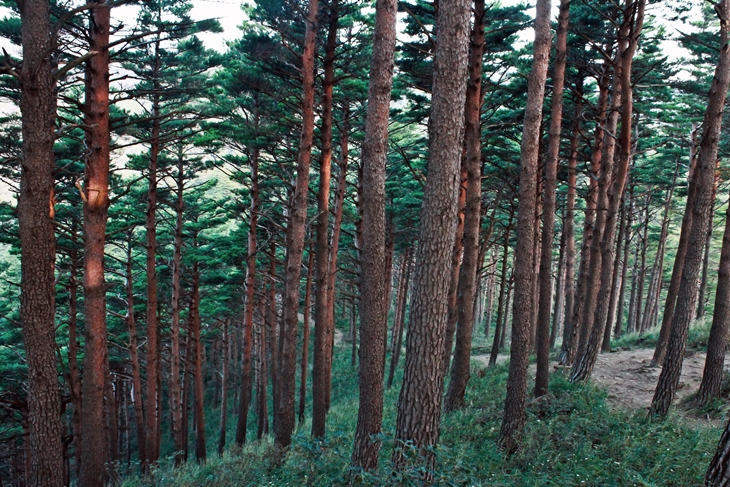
(717, 342)
(514, 408)
(549, 191)
(373, 306)
(284, 421)
(96, 202)
(718, 473)
(671, 299)
(472, 217)
(703, 204)
(419, 405)
(610, 198)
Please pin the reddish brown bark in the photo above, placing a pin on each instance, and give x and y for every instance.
(717, 342)
(373, 295)
(674, 282)
(323, 328)
(609, 197)
(200, 451)
(305, 338)
(703, 204)
(456, 255)
(284, 423)
(472, 217)
(38, 245)
(549, 193)
(419, 405)
(522, 314)
(175, 385)
(245, 392)
(96, 202)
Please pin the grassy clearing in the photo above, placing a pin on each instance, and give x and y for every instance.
(697, 337)
(572, 438)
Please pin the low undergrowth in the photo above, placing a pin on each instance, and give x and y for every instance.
(697, 337)
(571, 438)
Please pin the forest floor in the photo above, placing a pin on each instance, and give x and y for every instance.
(630, 381)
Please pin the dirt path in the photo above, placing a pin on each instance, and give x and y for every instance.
(629, 380)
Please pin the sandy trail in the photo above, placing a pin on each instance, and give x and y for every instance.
(629, 380)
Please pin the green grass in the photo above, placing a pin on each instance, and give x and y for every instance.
(572, 438)
(697, 337)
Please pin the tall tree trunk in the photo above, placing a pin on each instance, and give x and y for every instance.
(549, 191)
(472, 217)
(499, 329)
(224, 391)
(456, 257)
(262, 421)
(245, 394)
(606, 345)
(373, 295)
(706, 258)
(625, 266)
(200, 454)
(284, 423)
(610, 197)
(271, 324)
(323, 327)
(718, 472)
(96, 202)
(717, 341)
(569, 327)
(153, 332)
(575, 333)
(514, 407)
(175, 386)
(703, 205)
(673, 290)
(419, 405)
(304, 366)
(38, 244)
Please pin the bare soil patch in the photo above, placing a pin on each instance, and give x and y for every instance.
(628, 379)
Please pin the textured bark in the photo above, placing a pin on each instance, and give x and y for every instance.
(522, 315)
(549, 193)
(284, 422)
(419, 405)
(635, 324)
(245, 393)
(153, 332)
(96, 202)
(175, 385)
(596, 315)
(271, 324)
(74, 377)
(456, 256)
(703, 204)
(323, 326)
(708, 244)
(472, 217)
(671, 299)
(718, 472)
(373, 292)
(262, 420)
(717, 341)
(38, 246)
